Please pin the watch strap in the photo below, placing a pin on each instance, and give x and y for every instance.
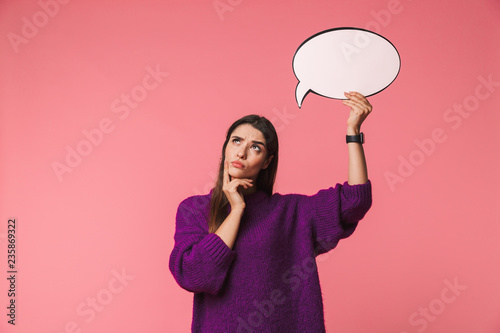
(355, 138)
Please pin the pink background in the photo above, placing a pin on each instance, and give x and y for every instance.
(114, 213)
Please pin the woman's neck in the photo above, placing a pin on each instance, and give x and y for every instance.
(249, 190)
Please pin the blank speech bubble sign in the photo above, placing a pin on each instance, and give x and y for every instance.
(340, 60)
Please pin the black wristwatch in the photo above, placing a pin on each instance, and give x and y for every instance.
(355, 138)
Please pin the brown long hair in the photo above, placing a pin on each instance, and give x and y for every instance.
(219, 205)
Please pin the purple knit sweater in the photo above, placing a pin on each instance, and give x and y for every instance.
(269, 281)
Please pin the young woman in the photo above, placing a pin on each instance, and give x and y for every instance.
(248, 254)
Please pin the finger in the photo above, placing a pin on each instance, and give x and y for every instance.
(226, 173)
(364, 101)
(358, 100)
(247, 183)
(355, 96)
(237, 183)
(353, 104)
(358, 105)
(240, 182)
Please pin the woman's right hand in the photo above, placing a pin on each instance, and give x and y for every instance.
(232, 188)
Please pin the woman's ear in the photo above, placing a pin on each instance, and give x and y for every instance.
(266, 164)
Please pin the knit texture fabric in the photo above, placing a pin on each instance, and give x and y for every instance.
(268, 281)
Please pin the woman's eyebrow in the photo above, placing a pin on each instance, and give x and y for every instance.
(258, 142)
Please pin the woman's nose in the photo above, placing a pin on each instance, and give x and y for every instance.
(241, 153)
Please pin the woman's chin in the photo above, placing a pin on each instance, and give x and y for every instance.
(238, 174)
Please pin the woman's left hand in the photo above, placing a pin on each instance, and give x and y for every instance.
(360, 109)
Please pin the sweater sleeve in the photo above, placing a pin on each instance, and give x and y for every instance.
(200, 260)
(336, 213)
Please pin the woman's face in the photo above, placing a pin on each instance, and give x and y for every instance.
(246, 152)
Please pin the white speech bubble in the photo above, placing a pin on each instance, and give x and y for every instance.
(340, 60)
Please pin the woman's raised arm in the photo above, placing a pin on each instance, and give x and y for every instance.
(360, 109)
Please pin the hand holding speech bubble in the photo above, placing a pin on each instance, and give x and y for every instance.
(339, 60)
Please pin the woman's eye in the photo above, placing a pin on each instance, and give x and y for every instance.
(256, 147)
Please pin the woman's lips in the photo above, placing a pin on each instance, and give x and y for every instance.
(238, 165)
